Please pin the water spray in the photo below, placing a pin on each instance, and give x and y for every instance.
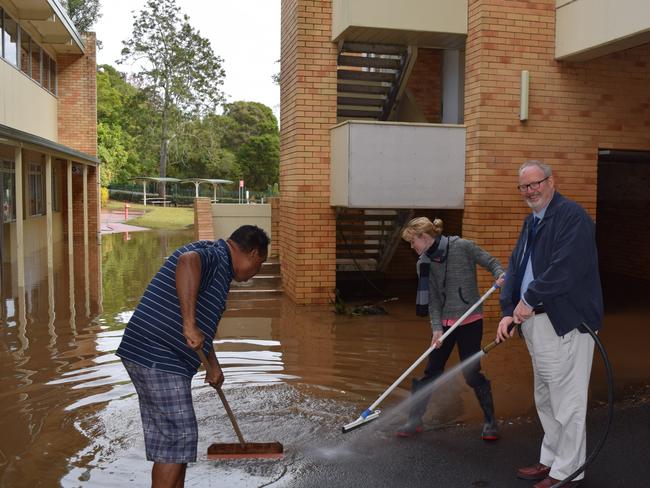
(371, 413)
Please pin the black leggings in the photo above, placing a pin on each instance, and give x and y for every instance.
(468, 337)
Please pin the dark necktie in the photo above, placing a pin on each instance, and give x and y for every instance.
(521, 269)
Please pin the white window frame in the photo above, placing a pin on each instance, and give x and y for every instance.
(9, 167)
(36, 188)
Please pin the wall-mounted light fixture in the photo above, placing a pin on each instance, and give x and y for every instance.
(523, 96)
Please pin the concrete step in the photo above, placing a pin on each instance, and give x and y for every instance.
(270, 268)
(260, 296)
(240, 303)
(267, 312)
(260, 281)
(254, 294)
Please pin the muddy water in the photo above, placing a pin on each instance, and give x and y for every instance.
(69, 416)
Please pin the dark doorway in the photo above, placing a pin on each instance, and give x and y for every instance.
(623, 214)
(623, 236)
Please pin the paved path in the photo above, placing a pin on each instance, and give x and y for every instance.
(456, 457)
(113, 222)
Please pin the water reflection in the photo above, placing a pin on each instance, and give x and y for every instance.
(69, 415)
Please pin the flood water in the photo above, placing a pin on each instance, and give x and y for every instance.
(69, 415)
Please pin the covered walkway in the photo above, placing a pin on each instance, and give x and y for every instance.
(162, 199)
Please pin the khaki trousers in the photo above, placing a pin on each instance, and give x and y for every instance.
(561, 368)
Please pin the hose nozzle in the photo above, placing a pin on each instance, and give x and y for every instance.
(494, 343)
(490, 346)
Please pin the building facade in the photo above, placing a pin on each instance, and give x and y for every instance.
(429, 107)
(48, 150)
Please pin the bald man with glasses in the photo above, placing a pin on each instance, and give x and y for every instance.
(552, 286)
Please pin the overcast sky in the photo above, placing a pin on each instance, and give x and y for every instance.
(244, 33)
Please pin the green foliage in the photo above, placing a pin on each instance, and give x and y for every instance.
(104, 196)
(163, 120)
(277, 77)
(247, 119)
(83, 13)
(124, 133)
(179, 72)
(258, 158)
(169, 218)
(251, 132)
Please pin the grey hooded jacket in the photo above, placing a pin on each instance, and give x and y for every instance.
(452, 283)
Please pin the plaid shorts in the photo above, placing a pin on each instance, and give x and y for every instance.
(170, 428)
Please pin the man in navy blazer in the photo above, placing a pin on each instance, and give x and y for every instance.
(553, 286)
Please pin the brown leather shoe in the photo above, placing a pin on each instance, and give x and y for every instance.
(548, 482)
(535, 472)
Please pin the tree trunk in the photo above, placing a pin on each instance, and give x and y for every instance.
(164, 146)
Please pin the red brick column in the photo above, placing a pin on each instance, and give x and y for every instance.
(77, 127)
(275, 225)
(77, 94)
(203, 229)
(308, 110)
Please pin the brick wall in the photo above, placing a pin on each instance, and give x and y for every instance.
(203, 229)
(574, 108)
(77, 94)
(77, 129)
(307, 232)
(275, 225)
(425, 83)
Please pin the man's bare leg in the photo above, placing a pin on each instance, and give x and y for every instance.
(168, 475)
(181, 480)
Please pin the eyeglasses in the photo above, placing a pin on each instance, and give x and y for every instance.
(531, 186)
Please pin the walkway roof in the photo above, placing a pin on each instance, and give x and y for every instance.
(206, 180)
(10, 136)
(157, 179)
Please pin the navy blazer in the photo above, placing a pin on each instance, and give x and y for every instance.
(565, 266)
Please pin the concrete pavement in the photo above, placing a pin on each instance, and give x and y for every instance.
(456, 456)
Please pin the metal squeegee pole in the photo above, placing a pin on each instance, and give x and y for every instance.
(428, 351)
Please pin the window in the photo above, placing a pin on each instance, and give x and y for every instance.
(45, 71)
(36, 190)
(52, 76)
(10, 40)
(25, 55)
(8, 179)
(36, 62)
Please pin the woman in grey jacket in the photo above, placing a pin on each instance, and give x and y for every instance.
(447, 288)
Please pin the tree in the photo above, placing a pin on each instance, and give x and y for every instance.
(179, 71)
(258, 158)
(124, 131)
(83, 13)
(245, 120)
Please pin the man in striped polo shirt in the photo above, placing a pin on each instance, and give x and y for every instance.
(178, 315)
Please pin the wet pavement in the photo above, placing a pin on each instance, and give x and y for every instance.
(69, 415)
(115, 222)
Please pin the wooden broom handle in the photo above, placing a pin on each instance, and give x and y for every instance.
(231, 415)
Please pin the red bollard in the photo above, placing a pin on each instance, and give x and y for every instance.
(126, 211)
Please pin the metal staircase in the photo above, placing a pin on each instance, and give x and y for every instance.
(369, 78)
(367, 239)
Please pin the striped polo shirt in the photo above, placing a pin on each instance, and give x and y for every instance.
(154, 336)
